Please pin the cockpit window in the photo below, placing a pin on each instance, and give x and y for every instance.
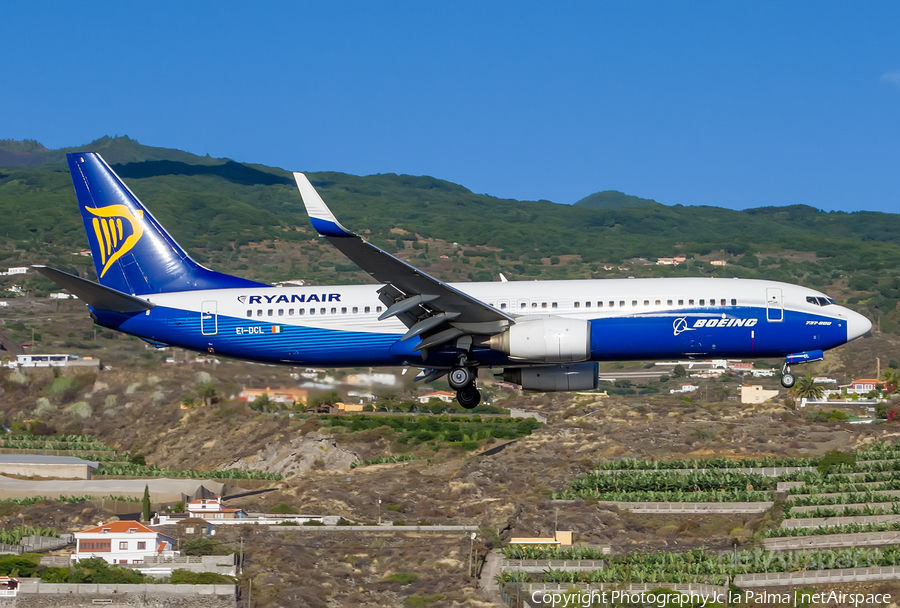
(820, 300)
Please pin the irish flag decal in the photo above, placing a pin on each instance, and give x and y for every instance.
(276, 329)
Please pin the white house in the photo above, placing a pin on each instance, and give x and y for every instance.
(442, 395)
(18, 270)
(213, 508)
(122, 542)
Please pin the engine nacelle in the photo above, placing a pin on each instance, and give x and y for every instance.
(551, 378)
(547, 340)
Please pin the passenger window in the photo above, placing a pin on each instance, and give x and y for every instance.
(577, 304)
(634, 302)
(321, 311)
(270, 312)
(378, 309)
(344, 310)
(543, 305)
(249, 313)
(599, 304)
(334, 311)
(280, 312)
(366, 309)
(554, 305)
(658, 302)
(646, 302)
(312, 311)
(681, 302)
(621, 303)
(587, 304)
(355, 309)
(291, 312)
(534, 304)
(691, 302)
(668, 302)
(502, 305)
(259, 312)
(722, 302)
(733, 301)
(301, 311)
(702, 302)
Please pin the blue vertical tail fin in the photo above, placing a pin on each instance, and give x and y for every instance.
(132, 252)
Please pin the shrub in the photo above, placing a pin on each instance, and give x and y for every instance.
(186, 577)
(404, 578)
(835, 458)
(283, 508)
(204, 546)
(82, 410)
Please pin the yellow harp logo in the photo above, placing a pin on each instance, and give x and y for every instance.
(111, 232)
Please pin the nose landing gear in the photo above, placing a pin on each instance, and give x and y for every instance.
(787, 378)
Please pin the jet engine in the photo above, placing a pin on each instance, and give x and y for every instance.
(550, 378)
(546, 340)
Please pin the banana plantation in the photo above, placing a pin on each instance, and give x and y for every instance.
(136, 470)
(14, 535)
(822, 530)
(663, 486)
(703, 566)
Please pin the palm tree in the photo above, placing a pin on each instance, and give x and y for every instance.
(806, 387)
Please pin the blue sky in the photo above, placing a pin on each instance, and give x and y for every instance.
(721, 103)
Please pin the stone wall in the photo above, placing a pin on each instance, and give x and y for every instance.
(33, 594)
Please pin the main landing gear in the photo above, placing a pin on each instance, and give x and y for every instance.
(462, 379)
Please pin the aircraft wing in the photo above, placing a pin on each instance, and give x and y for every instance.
(431, 309)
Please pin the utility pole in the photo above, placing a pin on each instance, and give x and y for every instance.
(877, 368)
(250, 596)
(379, 511)
(241, 563)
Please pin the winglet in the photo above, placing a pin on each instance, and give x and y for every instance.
(320, 215)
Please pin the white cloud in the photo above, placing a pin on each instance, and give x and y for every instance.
(891, 77)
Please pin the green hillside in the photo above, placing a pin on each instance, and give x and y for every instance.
(249, 220)
(613, 199)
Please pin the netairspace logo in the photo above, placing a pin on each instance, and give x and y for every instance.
(663, 599)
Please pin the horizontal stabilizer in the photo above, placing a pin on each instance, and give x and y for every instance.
(94, 294)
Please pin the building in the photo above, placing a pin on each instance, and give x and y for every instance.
(562, 538)
(762, 373)
(442, 395)
(685, 388)
(756, 394)
(213, 508)
(18, 270)
(122, 542)
(738, 366)
(36, 465)
(348, 407)
(286, 396)
(62, 296)
(719, 263)
(369, 379)
(865, 385)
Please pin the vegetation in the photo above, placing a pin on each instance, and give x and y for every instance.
(821, 530)
(204, 546)
(136, 470)
(696, 565)
(464, 433)
(700, 463)
(14, 535)
(383, 460)
(662, 486)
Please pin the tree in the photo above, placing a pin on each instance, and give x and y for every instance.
(145, 504)
(679, 371)
(207, 391)
(891, 379)
(806, 387)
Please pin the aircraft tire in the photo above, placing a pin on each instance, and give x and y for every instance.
(787, 380)
(469, 397)
(460, 377)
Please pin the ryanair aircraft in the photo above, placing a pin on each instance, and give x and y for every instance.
(543, 335)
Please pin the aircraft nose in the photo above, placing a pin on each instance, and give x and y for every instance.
(857, 325)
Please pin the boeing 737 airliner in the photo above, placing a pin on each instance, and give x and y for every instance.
(545, 336)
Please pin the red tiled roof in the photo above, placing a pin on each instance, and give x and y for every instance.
(120, 527)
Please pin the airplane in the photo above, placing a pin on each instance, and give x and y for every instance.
(542, 335)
